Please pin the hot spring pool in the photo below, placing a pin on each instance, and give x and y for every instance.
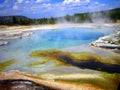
(20, 49)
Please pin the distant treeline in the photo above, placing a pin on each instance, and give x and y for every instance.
(108, 15)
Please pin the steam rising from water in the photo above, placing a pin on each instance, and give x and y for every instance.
(100, 17)
(96, 17)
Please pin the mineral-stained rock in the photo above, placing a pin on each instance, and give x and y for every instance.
(20, 84)
(13, 35)
(110, 42)
(3, 43)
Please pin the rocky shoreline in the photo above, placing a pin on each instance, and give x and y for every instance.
(13, 35)
(111, 41)
(3, 43)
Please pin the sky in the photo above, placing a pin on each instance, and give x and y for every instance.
(53, 8)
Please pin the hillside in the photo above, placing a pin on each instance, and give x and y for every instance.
(14, 20)
(112, 15)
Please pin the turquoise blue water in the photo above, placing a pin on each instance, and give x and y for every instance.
(48, 39)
